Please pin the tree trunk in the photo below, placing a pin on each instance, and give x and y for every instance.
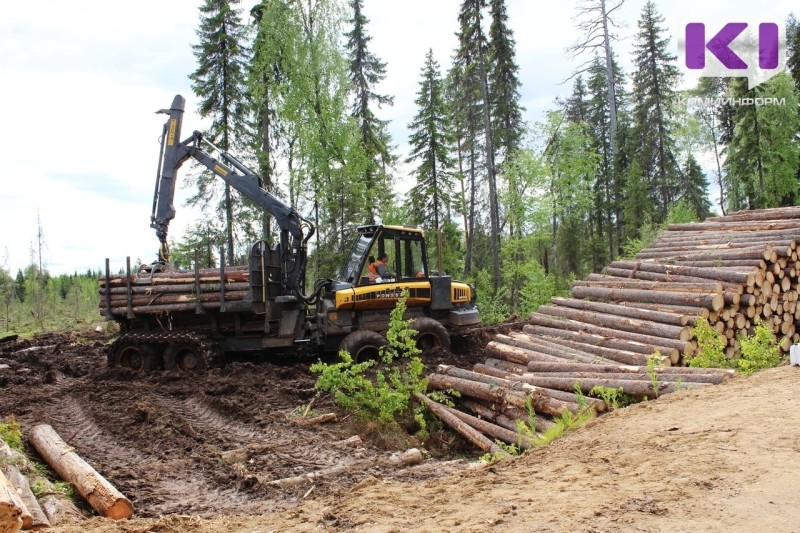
(101, 495)
(34, 518)
(743, 278)
(637, 388)
(674, 319)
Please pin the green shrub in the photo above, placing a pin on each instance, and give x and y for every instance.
(385, 392)
(710, 347)
(759, 351)
(11, 433)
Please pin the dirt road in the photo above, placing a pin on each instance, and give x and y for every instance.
(724, 458)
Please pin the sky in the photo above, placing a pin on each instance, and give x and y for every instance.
(82, 79)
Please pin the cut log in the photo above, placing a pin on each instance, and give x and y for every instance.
(713, 301)
(721, 373)
(743, 278)
(12, 509)
(34, 517)
(639, 389)
(569, 397)
(673, 319)
(644, 350)
(497, 393)
(492, 430)
(101, 495)
(57, 508)
(556, 400)
(486, 412)
(615, 282)
(473, 435)
(666, 346)
(538, 346)
(634, 325)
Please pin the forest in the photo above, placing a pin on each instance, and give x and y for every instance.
(524, 208)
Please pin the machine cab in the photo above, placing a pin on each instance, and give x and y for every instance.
(405, 247)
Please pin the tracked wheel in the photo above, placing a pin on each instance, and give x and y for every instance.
(141, 358)
(190, 357)
(363, 345)
(430, 334)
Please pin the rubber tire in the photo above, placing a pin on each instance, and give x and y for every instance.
(363, 345)
(142, 356)
(174, 358)
(430, 334)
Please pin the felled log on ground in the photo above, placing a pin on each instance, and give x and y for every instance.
(636, 388)
(472, 434)
(12, 463)
(12, 510)
(497, 393)
(101, 495)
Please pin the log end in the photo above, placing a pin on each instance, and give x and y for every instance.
(121, 510)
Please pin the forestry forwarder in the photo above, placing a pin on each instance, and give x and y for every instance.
(187, 320)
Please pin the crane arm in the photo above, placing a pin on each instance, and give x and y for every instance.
(175, 152)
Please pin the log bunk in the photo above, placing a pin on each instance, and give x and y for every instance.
(734, 270)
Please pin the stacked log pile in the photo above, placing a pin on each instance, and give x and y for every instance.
(172, 291)
(735, 271)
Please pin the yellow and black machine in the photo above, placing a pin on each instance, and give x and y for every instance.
(261, 308)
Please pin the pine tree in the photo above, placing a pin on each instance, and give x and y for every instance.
(504, 85)
(219, 82)
(431, 146)
(654, 83)
(366, 71)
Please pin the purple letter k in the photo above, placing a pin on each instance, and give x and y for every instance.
(718, 45)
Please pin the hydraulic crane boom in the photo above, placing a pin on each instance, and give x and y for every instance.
(174, 153)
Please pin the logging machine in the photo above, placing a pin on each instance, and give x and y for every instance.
(187, 320)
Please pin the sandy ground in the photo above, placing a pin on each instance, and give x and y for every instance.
(723, 458)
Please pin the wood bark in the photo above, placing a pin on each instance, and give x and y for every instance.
(737, 225)
(499, 394)
(183, 287)
(473, 435)
(12, 510)
(645, 350)
(636, 388)
(541, 346)
(633, 325)
(718, 373)
(673, 319)
(101, 495)
(513, 382)
(711, 301)
(612, 356)
(34, 518)
(493, 430)
(569, 397)
(615, 282)
(744, 278)
(666, 345)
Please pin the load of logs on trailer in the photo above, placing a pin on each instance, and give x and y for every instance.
(735, 270)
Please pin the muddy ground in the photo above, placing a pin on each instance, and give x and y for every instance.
(199, 454)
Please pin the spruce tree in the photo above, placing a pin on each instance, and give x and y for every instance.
(504, 84)
(694, 191)
(366, 71)
(654, 82)
(473, 58)
(762, 156)
(219, 83)
(793, 48)
(431, 146)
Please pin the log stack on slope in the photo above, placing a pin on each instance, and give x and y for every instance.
(734, 271)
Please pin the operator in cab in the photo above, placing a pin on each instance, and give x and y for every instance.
(380, 267)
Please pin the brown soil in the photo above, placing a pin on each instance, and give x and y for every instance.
(198, 454)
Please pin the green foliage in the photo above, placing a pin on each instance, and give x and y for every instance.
(66, 301)
(567, 421)
(41, 488)
(653, 362)
(11, 433)
(614, 398)
(383, 393)
(759, 351)
(710, 346)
